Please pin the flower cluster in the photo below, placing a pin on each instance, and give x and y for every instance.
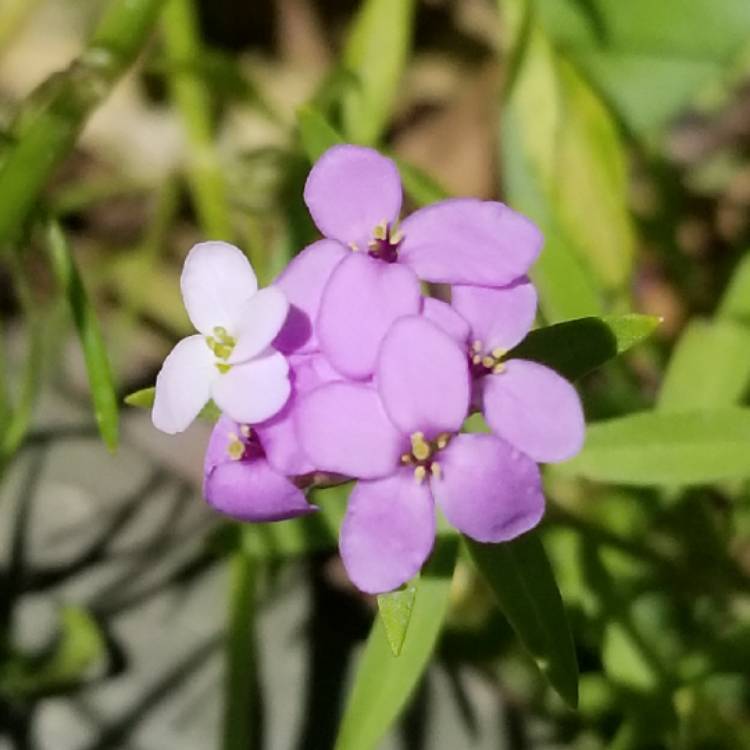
(344, 369)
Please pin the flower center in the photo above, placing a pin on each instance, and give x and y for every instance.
(244, 446)
(422, 455)
(385, 242)
(485, 364)
(222, 345)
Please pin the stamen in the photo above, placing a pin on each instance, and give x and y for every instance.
(420, 473)
(246, 430)
(235, 447)
(354, 247)
(488, 362)
(435, 470)
(477, 346)
(443, 440)
(381, 231)
(223, 368)
(498, 368)
(406, 458)
(476, 359)
(498, 353)
(396, 237)
(420, 448)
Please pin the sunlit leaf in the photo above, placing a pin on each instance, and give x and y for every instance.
(520, 577)
(376, 53)
(98, 367)
(395, 610)
(576, 347)
(655, 448)
(384, 682)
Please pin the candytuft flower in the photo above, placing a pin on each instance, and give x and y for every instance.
(401, 438)
(240, 482)
(354, 196)
(231, 360)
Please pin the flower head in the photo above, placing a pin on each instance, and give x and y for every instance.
(231, 359)
(401, 438)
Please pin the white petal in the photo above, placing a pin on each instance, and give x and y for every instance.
(253, 391)
(217, 280)
(260, 320)
(183, 385)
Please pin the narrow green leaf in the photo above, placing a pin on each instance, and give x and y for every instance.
(521, 578)
(654, 448)
(735, 303)
(376, 52)
(143, 399)
(395, 613)
(384, 683)
(98, 368)
(576, 347)
(316, 133)
(419, 186)
(709, 368)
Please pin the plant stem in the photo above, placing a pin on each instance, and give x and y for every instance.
(240, 705)
(193, 100)
(52, 116)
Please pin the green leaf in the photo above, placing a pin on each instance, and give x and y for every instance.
(649, 59)
(384, 683)
(709, 367)
(576, 347)
(316, 133)
(419, 186)
(521, 578)
(144, 399)
(564, 166)
(376, 52)
(655, 448)
(95, 355)
(735, 303)
(395, 613)
(79, 647)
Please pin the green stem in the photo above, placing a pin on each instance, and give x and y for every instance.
(193, 100)
(53, 115)
(240, 705)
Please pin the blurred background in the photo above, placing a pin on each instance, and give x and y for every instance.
(129, 130)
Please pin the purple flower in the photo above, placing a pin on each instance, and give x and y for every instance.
(529, 405)
(231, 360)
(354, 196)
(400, 438)
(241, 483)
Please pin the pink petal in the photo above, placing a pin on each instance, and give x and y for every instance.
(499, 317)
(360, 302)
(253, 391)
(487, 489)
(468, 241)
(350, 190)
(343, 428)
(217, 279)
(447, 319)
(260, 320)
(423, 378)
(388, 532)
(535, 410)
(183, 385)
(303, 282)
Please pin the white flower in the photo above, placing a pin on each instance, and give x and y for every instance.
(230, 360)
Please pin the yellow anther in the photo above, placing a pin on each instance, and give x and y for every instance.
(245, 430)
(406, 458)
(442, 440)
(381, 231)
(435, 470)
(222, 368)
(476, 359)
(477, 346)
(498, 368)
(235, 447)
(419, 474)
(497, 353)
(420, 448)
(488, 361)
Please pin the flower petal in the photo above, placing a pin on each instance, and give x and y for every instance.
(423, 378)
(360, 302)
(534, 409)
(253, 391)
(343, 428)
(183, 385)
(447, 319)
(253, 491)
(487, 489)
(217, 279)
(468, 241)
(303, 282)
(499, 317)
(350, 190)
(261, 318)
(388, 532)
